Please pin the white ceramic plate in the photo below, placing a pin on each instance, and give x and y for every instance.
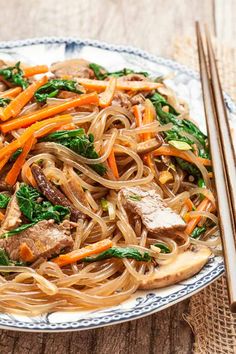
(186, 84)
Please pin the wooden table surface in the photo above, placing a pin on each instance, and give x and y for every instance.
(151, 25)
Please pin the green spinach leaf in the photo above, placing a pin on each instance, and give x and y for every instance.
(4, 102)
(5, 261)
(101, 73)
(52, 88)
(179, 125)
(198, 231)
(188, 167)
(118, 252)
(15, 154)
(79, 142)
(27, 200)
(18, 230)
(164, 248)
(4, 200)
(14, 75)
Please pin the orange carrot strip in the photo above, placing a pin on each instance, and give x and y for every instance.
(35, 70)
(112, 163)
(194, 221)
(210, 174)
(43, 113)
(99, 85)
(9, 149)
(86, 251)
(14, 172)
(26, 254)
(189, 204)
(149, 162)
(16, 105)
(138, 115)
(2, 216)
(30, 177)
(11, 93)
(107, 96)
(148, 117)
(172, 151)
(138, 118)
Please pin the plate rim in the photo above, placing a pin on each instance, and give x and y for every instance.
(219, 270)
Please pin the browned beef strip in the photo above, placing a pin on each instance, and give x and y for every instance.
(121, 99)
(72, 68)
(52, 193)
(135, 77)
(45, 239)
(12, 217)
(155, 214)
(5, 186)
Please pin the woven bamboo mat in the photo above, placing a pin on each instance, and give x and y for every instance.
(209, 316)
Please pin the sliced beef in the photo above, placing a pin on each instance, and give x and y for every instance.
(121, 99)
(5, 186)
(12, 217)
(52, 193)
(72, 68)
(135, 77)
(45, 239)
(139, 98)
(155, 214)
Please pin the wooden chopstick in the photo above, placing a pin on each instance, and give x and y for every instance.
(223, 123)
(213, 103)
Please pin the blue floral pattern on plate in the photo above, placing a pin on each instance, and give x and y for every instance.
(186, 83)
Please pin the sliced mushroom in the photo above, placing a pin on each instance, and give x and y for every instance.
(185, 266)
(72, 68)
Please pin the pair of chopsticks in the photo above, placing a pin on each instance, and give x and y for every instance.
(223, 158)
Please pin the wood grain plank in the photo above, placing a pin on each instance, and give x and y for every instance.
(148, 24)
(164, 332)
(225, 13)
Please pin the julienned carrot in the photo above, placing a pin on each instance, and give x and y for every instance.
(189, 204)
(16, 105)
(30, 177)
(26, 254)
(28, 119)
(148, 117)
(35, 70)
(34, 129)
(112, 163)
(2, 216)
(99, 85)
(81, 253)
(11, 93)
(14, 172)
(172, 151)
(107, 95)
(4, 160)
(194, 221)
(137, 115)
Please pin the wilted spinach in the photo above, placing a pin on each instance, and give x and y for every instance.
(79, 142)
(14, 75)
(4, 102)
(4, 200)
(198, 231)
(101, 73)
(118, 252)
(35, 211)
(52, 88)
